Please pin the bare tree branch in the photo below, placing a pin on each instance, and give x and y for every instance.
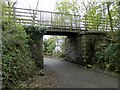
(37, 4)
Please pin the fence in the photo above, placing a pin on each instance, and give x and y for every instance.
(60, 20)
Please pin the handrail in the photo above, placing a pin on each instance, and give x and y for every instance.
(43, 11)
(51, 19)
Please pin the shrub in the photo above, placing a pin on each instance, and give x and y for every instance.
(17, 64)
(109, 58)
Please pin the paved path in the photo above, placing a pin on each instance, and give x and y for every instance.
(71, 75)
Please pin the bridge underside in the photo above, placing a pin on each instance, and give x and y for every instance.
(62, 31)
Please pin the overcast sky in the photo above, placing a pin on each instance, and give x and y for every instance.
(46, 5)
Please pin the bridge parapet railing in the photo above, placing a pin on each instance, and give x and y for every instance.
(59, 20)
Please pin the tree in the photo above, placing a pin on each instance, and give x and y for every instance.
(110, 19)
(54, 45)
(98, 15)
(94, 14)
(70, 8)
(49, 45)
(60, 46)
(17, 62)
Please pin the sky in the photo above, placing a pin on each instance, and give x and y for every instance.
(46, 5)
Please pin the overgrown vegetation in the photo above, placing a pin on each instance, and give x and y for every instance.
(35, 42)
(17, 62)
(35, 32)
(108, 57)
(49, 46)
(54, 46)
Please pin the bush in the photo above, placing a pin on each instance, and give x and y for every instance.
(109, 58)
(17, 64)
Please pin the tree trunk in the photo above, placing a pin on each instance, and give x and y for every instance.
(110, 19)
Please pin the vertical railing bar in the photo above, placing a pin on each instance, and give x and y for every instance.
(70, 23)
(43, 22)
(40, 17)
(51, 21)
(14, 14)
(79, 23)
(75, 22)
(61, 22)
(33, 22)
(85, 22)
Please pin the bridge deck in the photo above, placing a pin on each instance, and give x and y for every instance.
(59, 23)
(62, 31)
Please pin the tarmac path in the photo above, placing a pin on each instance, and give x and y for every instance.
(71, 75)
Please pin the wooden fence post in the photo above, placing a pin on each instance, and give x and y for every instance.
(33, 22)
(70, 22)
(79, 23)
(85, 22)
(61, 22)
(51, 21)
(14, 14)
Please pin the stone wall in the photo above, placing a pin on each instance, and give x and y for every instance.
(37, 51)
(78, 49)
(73, 52)
(81, 49)
(92, 42)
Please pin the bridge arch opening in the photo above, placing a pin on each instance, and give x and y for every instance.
(77, 48)
(54, 45)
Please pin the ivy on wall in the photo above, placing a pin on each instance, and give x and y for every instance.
(35, 32)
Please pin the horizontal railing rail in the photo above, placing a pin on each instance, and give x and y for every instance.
(59, 20)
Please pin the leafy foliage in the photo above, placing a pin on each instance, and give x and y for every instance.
(93, 16)
(17, 62)
(68, 6)
(54, 46)
(35, 32)
(109, 58)
(49, 45)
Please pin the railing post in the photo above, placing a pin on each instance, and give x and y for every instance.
(70, 22)
(85, 22)
(75, 20)
(40, 17)
(33, 22)
(61, 22)
(51, 21)
(79, 23)
(14, 15)
(97, 24)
